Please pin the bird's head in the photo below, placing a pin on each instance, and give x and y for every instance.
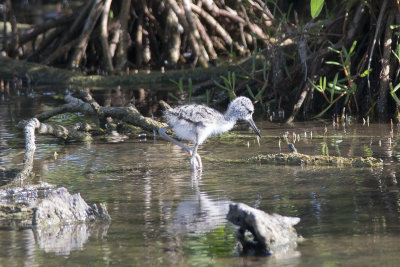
(241, 108)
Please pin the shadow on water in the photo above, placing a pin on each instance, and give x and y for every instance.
(164, 216)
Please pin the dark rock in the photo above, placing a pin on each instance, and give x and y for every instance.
(268, 232)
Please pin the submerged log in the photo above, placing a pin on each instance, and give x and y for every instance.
(269, 232)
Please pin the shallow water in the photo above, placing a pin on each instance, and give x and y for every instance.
(162, 216)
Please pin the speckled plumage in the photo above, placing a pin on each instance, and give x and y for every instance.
(198, 122)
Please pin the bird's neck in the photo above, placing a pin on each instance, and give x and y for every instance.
(223, 127)
(228, 123)
(229, 118)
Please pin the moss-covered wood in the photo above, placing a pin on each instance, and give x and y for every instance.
(39, 74)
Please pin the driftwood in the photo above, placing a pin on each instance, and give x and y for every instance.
(76, 133)
(128, 114)
(30, 147)
(269, 232)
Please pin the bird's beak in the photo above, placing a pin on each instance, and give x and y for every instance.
(253, 125)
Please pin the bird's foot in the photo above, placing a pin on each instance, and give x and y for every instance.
(195, 162)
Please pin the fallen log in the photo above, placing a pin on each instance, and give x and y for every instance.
(128, 114)
(39, 74)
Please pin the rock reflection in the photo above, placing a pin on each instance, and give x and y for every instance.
(61, 240)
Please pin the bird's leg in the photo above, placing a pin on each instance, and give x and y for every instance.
(162, 133)
(195, 159)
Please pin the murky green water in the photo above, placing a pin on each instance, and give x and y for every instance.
(162, 216)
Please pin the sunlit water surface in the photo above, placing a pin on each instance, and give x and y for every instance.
(163, 216)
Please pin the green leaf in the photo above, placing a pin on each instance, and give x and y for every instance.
(333, 63)
(178, 83)
(233, 80)
(353, 46)
(393, 94)
(316, 7)
(322, 112)
(315, 86)
(265, 70)
(346, 99)
(250, 92)
(334, 50)
(260, 93)
(395, 88)
(220, 85)
(226, 81)
(397, 53)
(190, 89)
(246, 77)
(365, 73)
(174, 97)
(208, 97)
(253, 61)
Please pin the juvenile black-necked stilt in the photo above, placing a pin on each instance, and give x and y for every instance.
(198, 122)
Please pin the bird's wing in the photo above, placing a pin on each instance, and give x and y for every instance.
(194, 114)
